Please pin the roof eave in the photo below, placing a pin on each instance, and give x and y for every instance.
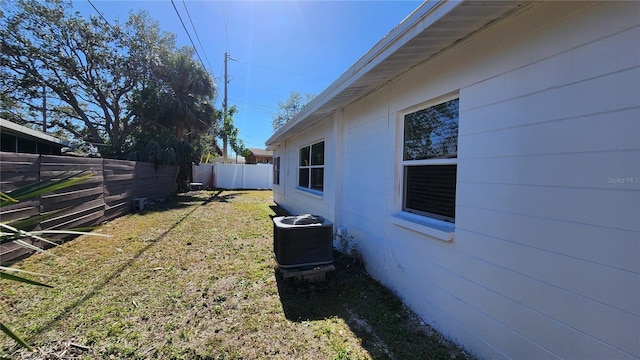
(13, 128)
(425, 28)
(354, 71)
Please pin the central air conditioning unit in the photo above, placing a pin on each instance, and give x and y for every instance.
(302, 240)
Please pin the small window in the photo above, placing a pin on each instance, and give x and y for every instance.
(276, 170)
(430, 152)
(311, 167)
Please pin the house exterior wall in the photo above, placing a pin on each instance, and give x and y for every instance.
(545, 256)
(297, 200)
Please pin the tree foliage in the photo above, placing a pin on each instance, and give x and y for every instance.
(106, 83)
(289, 108)
(432, 132)
(178, 96)
(229, 133)
(174, 110)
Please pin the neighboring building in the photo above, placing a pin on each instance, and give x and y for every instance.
(259, 156)
(485, 157)
(230, 160)
(20, 139)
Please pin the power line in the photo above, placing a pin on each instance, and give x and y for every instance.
(282, 70)
(257, 105)
(194, 47)
(216, 95)
(225, 16)
(254, 108)
(263, 88)
(197, 37)
(99, 13)
(189, 36)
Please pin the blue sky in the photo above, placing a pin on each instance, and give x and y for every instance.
(278, 46)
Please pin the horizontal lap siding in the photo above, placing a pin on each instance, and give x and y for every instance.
(364, 173)
(539, 220)
(299, 201)
(545, 260)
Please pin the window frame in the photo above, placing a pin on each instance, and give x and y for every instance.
(310, 167)
(276, 170)
(428, 219)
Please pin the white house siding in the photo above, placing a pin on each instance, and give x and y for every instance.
(545, 260)
(298, 201)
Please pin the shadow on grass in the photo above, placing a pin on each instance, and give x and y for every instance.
(227, 197)
(278, 211)
(385, 326)
(68, 310)
(188, 199)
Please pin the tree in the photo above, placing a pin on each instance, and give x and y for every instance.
(237, 145)
(191, 92)
(228, 130)
(176, 118)
(176, 105)
(89, 68)
(288, 109)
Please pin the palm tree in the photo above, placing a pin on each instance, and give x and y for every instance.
(192, 89)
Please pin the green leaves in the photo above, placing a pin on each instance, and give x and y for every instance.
(7, 276)
(38, 188)
(289, 108)
(91, 70)
(14, 336)
(13, 232)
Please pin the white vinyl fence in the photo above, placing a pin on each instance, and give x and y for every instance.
(234, 176)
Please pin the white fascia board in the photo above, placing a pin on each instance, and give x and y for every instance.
(420, 19)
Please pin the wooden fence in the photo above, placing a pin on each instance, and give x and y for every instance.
(107, 194)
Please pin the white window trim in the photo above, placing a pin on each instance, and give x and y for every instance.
(438, 229)
(309, 190)
(279, 170)
(423, 224)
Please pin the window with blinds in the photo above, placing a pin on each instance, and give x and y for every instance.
(430, 151)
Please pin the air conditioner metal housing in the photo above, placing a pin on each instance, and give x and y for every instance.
(302, 240)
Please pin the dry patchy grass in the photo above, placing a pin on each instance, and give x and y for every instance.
(195, 279)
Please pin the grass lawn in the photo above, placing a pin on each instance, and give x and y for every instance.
(195, 278)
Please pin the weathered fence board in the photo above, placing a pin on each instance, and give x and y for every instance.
(79, 216)
(119, 187)
(18, 170)
(107, 194)
(21, 210)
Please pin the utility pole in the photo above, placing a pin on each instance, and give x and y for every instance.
(224, 112)
(225, 136)
(44, 107)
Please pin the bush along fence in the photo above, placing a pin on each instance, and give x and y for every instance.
(107, 194)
